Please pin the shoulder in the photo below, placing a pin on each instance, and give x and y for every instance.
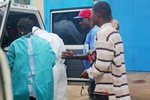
(96, 28)
(115, 24)
(21, 39)
(37, 39)
(53, 35)
(105, 30)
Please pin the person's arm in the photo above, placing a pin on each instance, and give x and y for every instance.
(81, 56)
(52, 56)
(68, 54)
(11, 56)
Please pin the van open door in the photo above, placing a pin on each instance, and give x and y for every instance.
(4, 9)
(5, 79)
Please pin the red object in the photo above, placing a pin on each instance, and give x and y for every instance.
(91, 56)
(85, 13)
(106, 93)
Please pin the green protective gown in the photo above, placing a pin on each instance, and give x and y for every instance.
(43, 61)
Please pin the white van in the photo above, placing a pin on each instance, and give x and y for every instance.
(9, 17)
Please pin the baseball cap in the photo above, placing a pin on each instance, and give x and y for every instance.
(85, 13)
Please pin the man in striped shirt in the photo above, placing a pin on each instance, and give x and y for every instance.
(109, 68)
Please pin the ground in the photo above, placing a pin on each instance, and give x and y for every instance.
(139, 86)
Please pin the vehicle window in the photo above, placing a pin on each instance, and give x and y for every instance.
(27, 2)
(68, 28)
(11, 32)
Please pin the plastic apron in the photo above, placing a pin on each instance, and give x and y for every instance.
(59, 69)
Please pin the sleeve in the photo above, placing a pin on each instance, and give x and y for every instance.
(105, 54)
(52, 56)
(61, 48)
(86, 49)
(87, 42)
(11, 56)
(93, 34)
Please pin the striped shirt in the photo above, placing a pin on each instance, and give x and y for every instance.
(109, 68)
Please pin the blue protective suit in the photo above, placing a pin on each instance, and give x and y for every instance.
(43, 59)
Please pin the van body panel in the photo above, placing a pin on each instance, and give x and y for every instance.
(17, 11)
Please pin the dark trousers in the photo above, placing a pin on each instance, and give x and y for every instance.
(100, 97)
(91, 89)
(32, 98)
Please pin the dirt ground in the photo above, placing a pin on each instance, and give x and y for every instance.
(139, 86)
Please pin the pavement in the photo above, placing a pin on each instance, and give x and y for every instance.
(139, 87)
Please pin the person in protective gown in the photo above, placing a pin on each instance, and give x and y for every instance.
(31, 60)
(59, 69)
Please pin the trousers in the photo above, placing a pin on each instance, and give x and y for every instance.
(100, 97)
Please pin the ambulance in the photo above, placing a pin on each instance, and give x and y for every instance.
(10, 13)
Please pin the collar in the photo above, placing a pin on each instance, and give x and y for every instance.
(106, 25)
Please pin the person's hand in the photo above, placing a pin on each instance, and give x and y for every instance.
(92, 56)
(68, 54)
(84, 74)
